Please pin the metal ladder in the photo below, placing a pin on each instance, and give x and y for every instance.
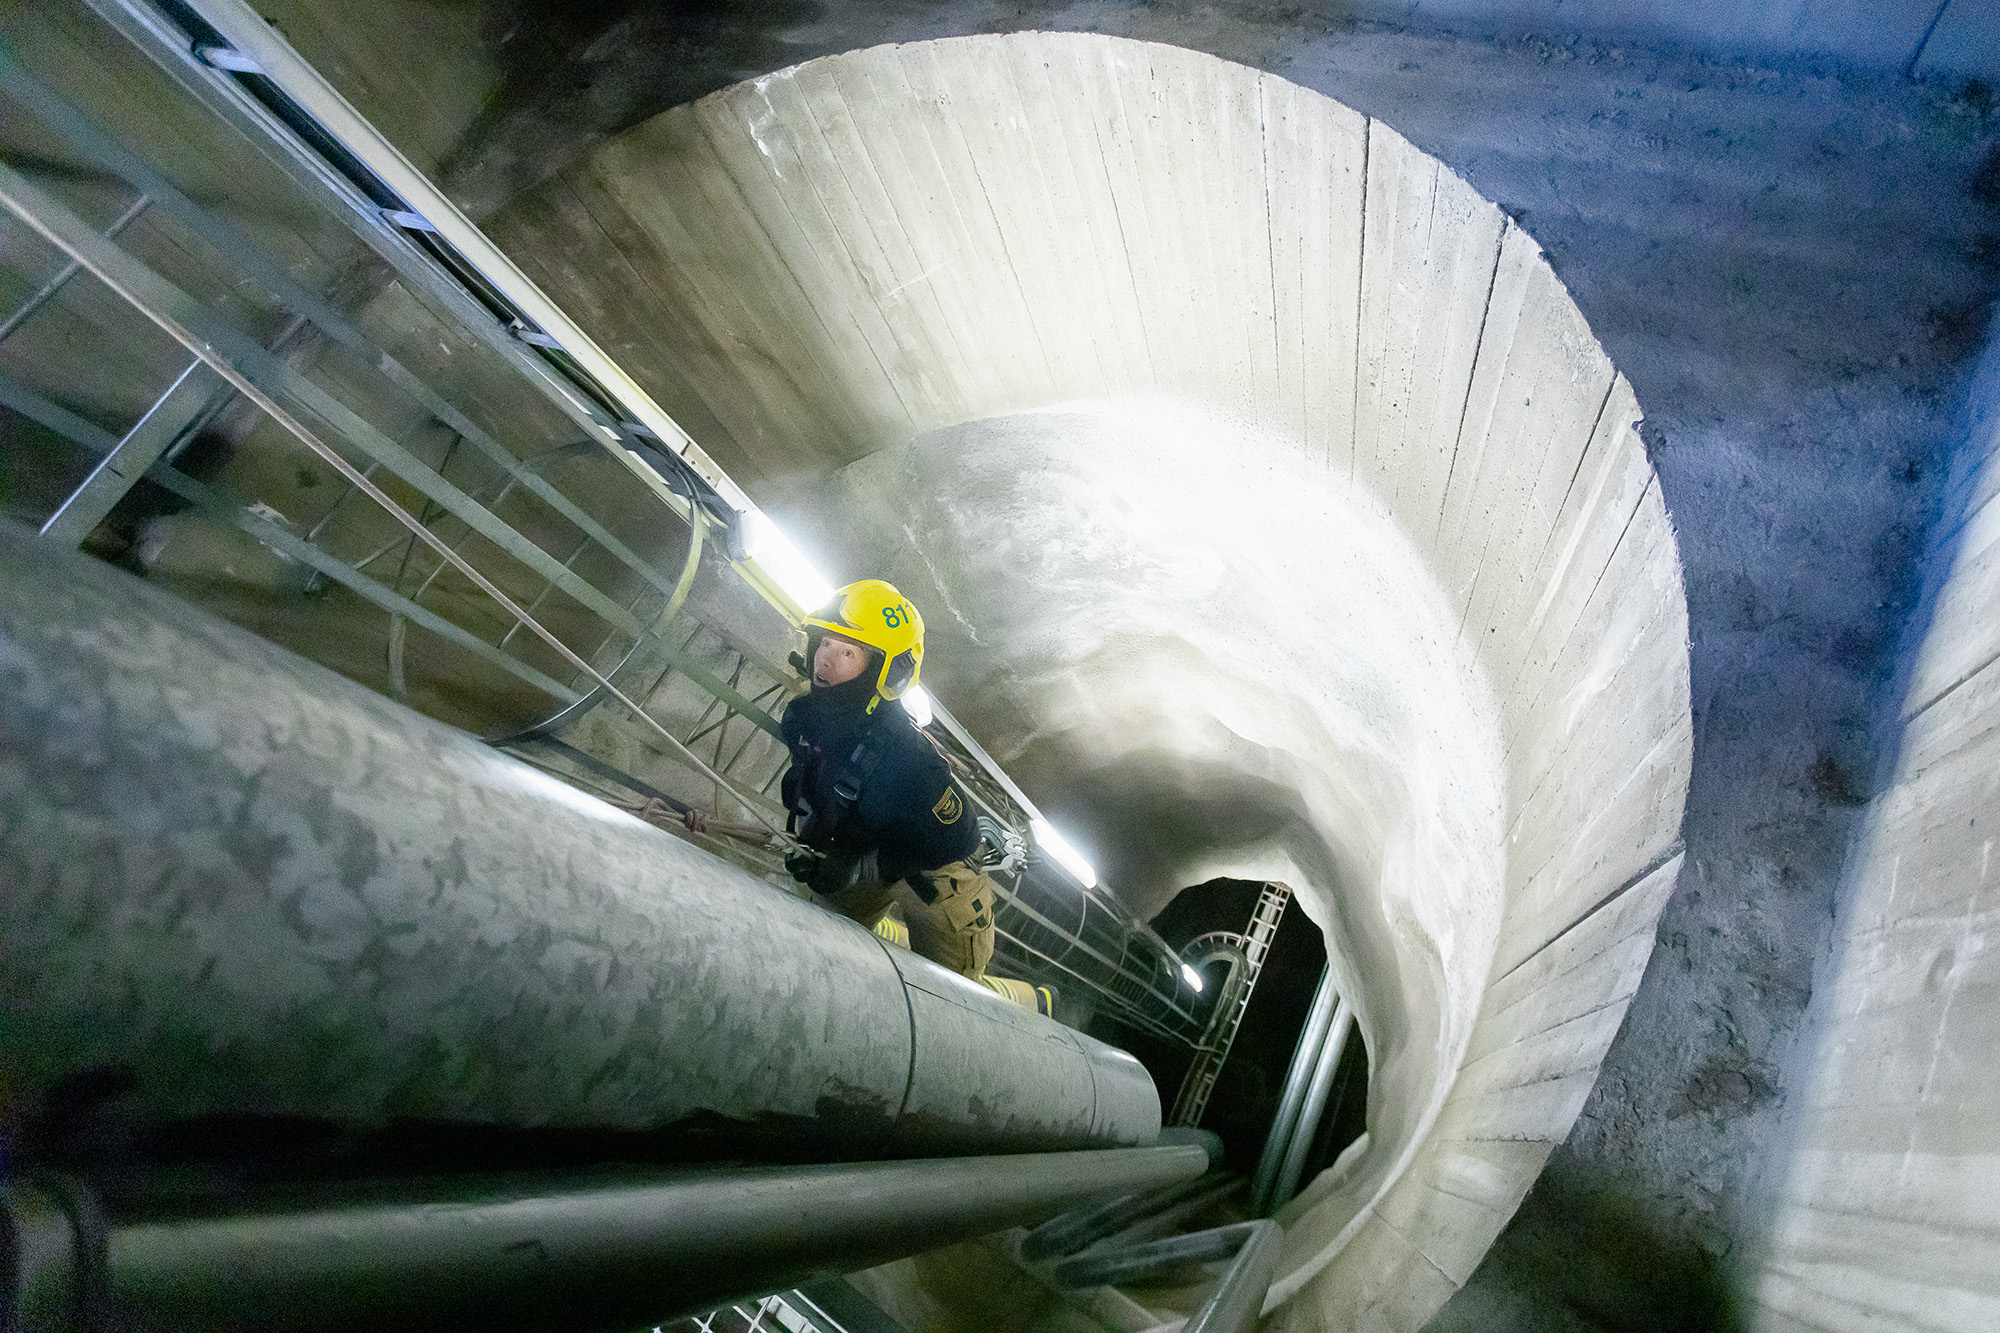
(1255, 945)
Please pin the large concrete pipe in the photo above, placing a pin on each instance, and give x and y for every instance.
(241, 885)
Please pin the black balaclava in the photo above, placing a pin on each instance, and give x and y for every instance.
(849, 694)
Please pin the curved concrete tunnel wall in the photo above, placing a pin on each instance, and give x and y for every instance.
(1887, 1213)
(1240, 453)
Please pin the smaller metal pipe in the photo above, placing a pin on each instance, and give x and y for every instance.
(1094, 1221)
(1305, 1057)
(1238, 1300)
(1238, 1297)
(1071, 1231)
(1137, 1263)
(1307, 1129)
(491, 1255)
(1168, 1221)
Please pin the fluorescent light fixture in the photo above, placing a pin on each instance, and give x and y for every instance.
(1071, 860)
(1193, 977)
(918, 705)
(770, 548)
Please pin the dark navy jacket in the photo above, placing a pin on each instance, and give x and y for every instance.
(910, 811)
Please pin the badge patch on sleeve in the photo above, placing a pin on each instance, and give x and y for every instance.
(948, 807)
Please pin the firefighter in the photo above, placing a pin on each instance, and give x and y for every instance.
(870, 797)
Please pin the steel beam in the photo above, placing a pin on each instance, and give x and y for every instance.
(264, 891)
(190, 399)
(69, 269)
(493, 1255)
(87, 435)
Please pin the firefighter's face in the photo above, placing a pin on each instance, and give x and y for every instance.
(839, 660)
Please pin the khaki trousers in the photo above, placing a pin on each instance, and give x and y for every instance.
(955, 931)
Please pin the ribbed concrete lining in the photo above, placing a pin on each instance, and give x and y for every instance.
(1273, 508)
(1888, 1215)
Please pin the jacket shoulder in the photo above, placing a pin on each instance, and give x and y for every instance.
(910, 768)
(910, 747)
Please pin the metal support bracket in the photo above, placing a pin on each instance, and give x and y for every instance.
(193, 398)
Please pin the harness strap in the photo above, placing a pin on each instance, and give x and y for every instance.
(848, 785)
(820, 825)
(852, 779)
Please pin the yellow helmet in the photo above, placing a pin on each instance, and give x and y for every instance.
(872, 612)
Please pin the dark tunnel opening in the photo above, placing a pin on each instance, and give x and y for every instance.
(1247, 1092)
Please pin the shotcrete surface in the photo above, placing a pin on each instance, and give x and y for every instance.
(1116, 592)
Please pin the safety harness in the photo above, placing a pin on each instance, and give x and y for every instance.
(822, 826)
(852, 779)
